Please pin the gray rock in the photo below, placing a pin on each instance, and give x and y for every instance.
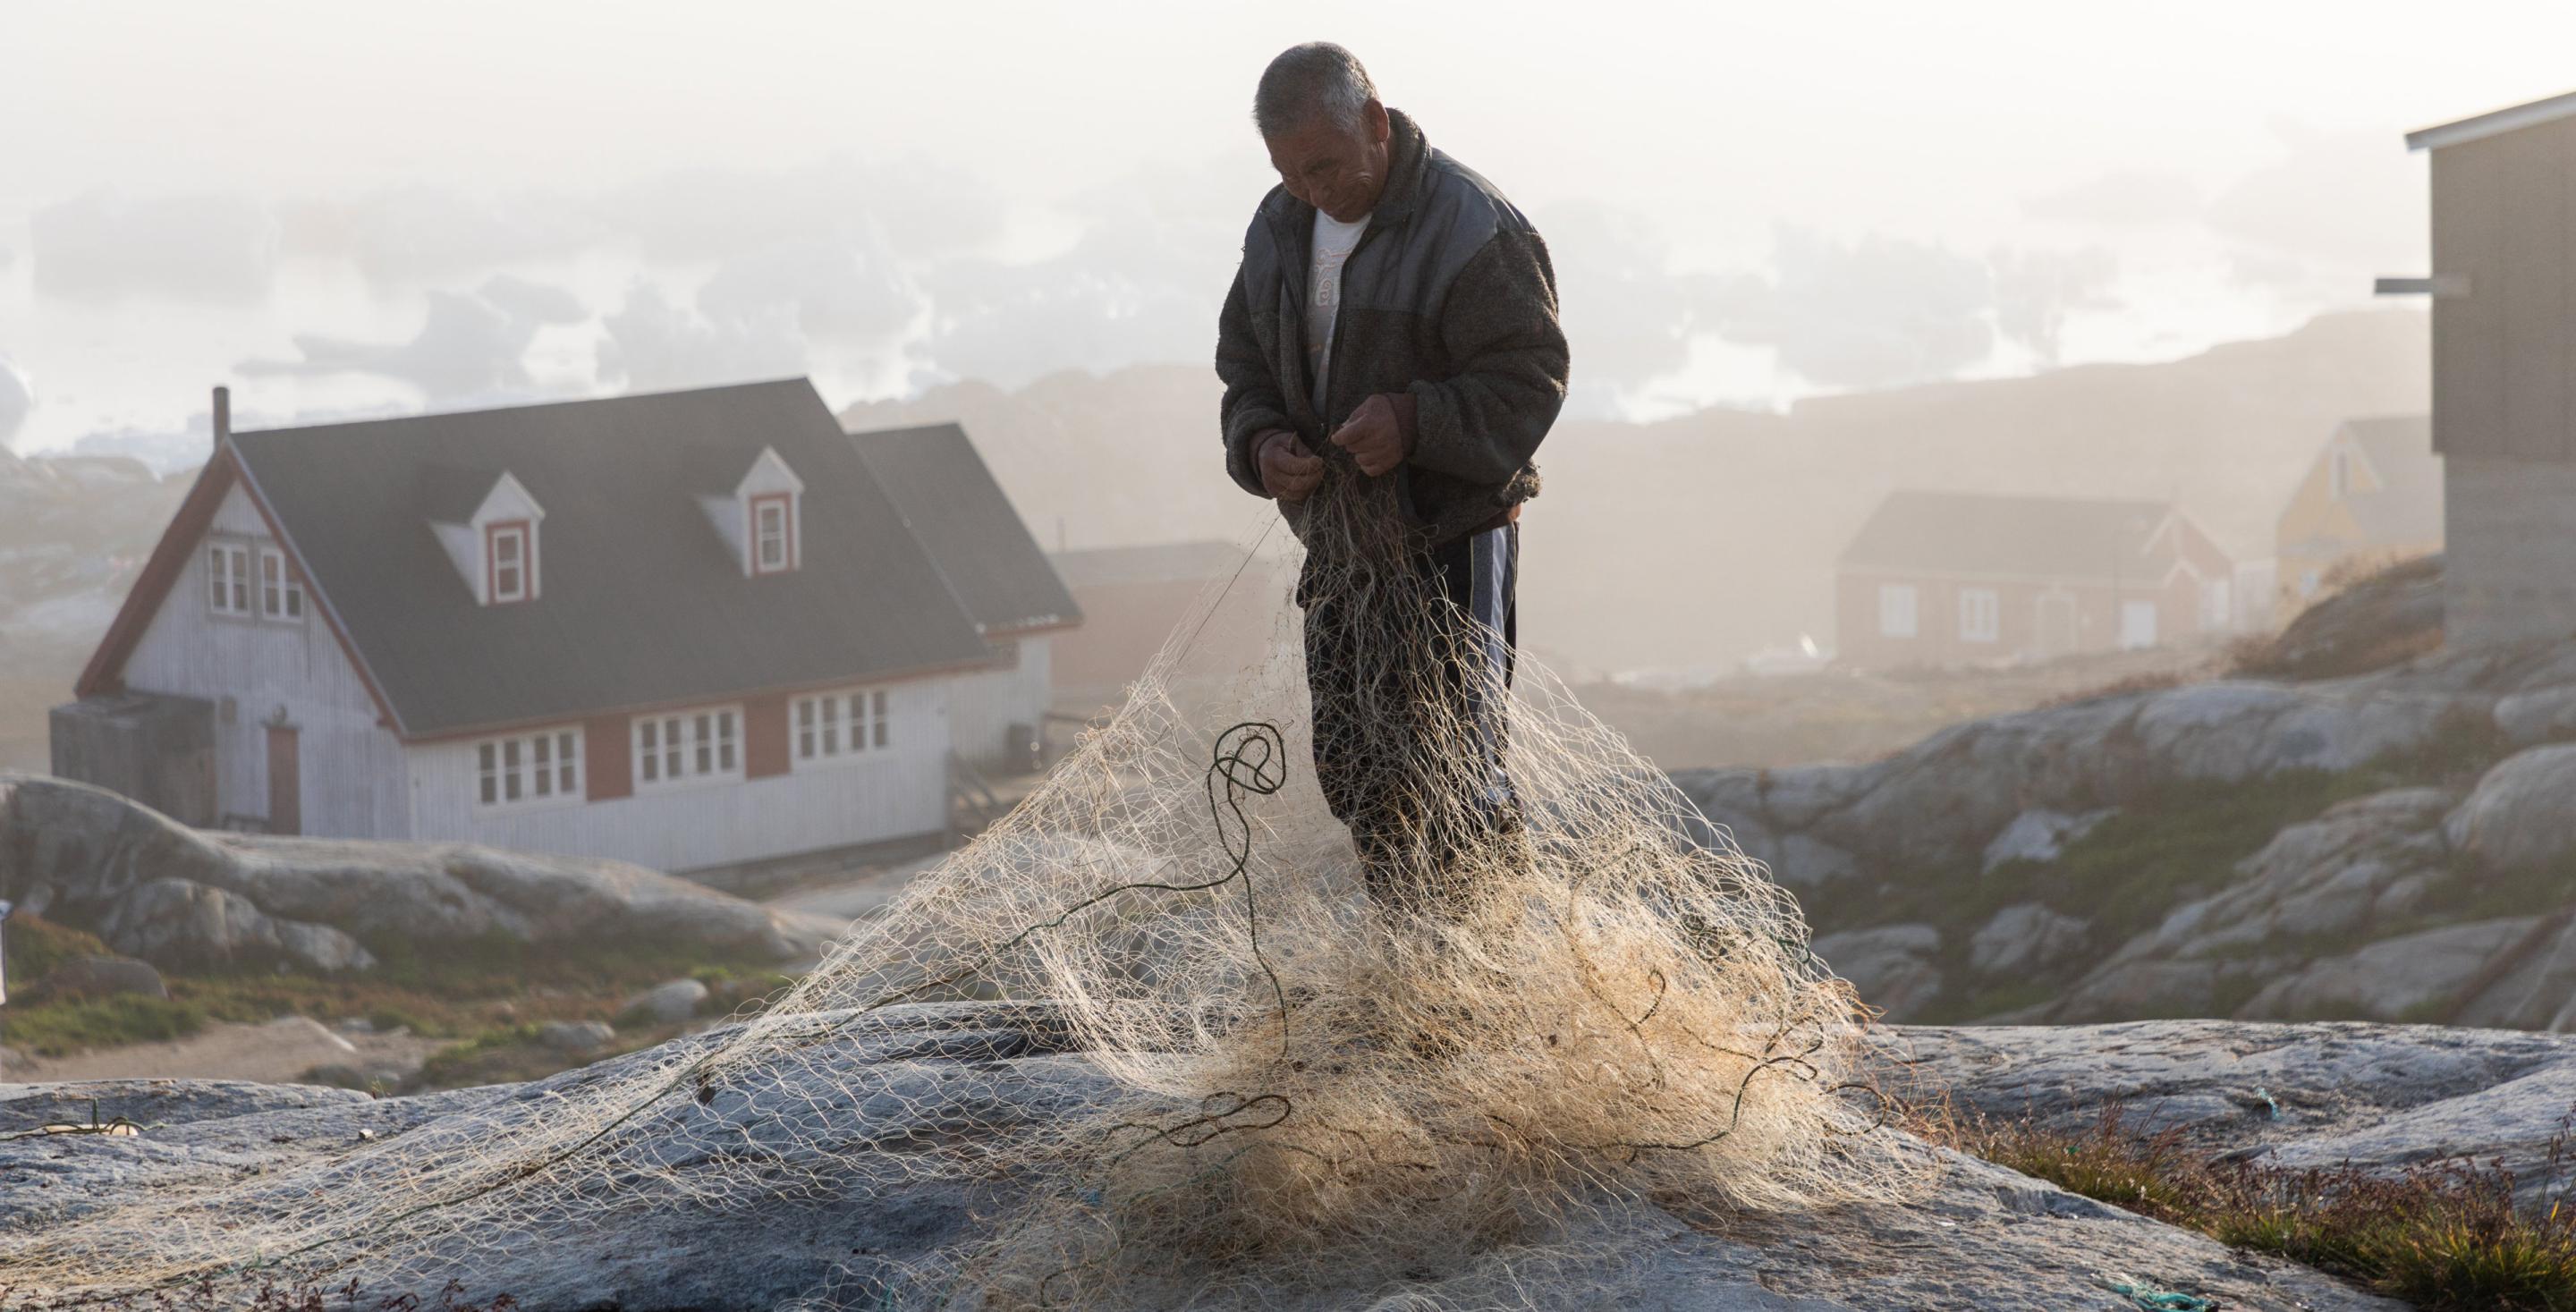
(1891, 966)
(2386, 1096)
(180, 895)
(576, 1036)
(2518, 816)
(2533, 993)
(101, 977)
(667, 1004)
(2537, 716)
(2393, 979)
(2040, 834)
(2127, 990)
(2024, 938)
(2014, 1243)
(184, 923)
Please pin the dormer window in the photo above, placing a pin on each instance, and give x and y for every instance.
(759, 511)
(506, 546)
(773, 533)
(493, 531)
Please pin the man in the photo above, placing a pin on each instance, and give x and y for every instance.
(1390, 347)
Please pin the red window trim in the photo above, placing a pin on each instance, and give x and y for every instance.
(527, 561)
(787, 515)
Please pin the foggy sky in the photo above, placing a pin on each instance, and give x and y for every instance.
(379, 207)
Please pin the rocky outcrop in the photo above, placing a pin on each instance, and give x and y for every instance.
(1891, 966)
(2044, 776)
(2518, 817)
(2012, 1243)
(176, 896)
(2288, 932)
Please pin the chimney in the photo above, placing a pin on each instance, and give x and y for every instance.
(223, 416)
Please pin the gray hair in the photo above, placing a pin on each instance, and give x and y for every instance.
(1305, 81)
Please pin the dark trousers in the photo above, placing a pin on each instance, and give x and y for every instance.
(1409, 727)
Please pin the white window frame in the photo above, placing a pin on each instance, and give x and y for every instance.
(679, 749)
(1899, 610)
(1981, 615)
(539, 769)
(2130, 640)
(761, 538)
(228, 563)
(840, 726)
(524, 534)
(281, 595)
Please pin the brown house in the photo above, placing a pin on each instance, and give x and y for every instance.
(2503, 285)
(1955, 578)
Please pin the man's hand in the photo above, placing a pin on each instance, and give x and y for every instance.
(1377, 434)
(1289, 471)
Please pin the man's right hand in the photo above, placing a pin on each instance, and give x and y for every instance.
(1288, 470)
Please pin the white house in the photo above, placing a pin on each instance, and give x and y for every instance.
(685, 629)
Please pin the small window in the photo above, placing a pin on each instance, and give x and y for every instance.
(838, 725)
(1006, 654)
(1896, 610)
(773, 533)
(672, 749)
(2339, 476)
(281, 597)
(542, 767)
(512, 572)
(1980, 615)
(228, 578)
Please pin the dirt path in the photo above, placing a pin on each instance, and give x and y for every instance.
(277, 1051)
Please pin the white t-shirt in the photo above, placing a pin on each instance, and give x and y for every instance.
(1333, 243)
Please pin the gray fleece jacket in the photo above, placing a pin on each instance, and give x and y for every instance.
(1448, 303)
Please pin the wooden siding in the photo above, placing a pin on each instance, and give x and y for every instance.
(985, 704)
(255, 671)
(2501, 220)
(1937, 639)
(895, 793)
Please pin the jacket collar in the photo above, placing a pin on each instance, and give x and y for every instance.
(1408, 160)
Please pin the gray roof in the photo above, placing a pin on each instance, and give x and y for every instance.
(2407, 508)
(949, 499)
(2493, 122)
(1968, 533)
(641, 602)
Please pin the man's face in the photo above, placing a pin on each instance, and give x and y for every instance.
(1335, 170)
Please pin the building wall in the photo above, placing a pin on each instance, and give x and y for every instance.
(2500, 224)
(258, 672)
(2510, 563)
(1937, 640)
(897, 792)
(982, 706)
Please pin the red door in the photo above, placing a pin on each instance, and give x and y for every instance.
(285, 782)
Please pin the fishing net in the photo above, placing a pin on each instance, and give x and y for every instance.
(1537, 985)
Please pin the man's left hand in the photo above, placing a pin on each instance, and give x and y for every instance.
(1376, 434)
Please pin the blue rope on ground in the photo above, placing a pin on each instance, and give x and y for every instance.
(2152, 1299)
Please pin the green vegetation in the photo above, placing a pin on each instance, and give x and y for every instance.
(489, 995)
(2445, 1237)
(59, 1028)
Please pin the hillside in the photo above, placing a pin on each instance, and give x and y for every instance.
(1697, 539)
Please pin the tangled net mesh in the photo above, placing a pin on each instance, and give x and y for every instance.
(1294, 1071)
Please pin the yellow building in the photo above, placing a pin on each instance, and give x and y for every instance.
(2373, 496)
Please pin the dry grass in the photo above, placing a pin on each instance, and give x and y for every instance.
(2444, 1236)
